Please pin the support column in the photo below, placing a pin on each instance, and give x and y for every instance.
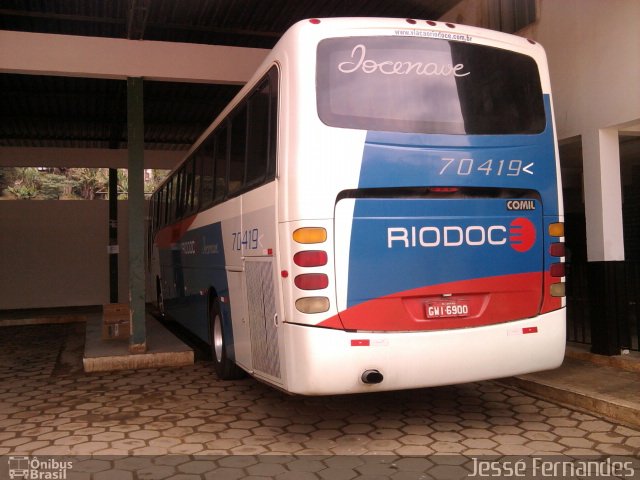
(605, 240)
(603, 195)
(113, 235)
(135, 120)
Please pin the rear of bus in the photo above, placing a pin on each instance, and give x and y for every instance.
(420, 207)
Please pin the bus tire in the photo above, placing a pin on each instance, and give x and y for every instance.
(225, 368)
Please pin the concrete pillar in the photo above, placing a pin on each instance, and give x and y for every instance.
(135, 141)
(603, 195)
(605, 240)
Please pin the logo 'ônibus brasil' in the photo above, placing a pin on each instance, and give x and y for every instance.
(520, 234)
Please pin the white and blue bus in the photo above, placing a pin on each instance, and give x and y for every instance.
(379, 208)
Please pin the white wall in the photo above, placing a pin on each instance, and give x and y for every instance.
(54, 253)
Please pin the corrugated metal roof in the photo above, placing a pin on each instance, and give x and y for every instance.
(81, 112)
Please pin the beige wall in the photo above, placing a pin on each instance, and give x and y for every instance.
(54, 253)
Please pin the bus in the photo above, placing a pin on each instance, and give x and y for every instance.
(379, 208)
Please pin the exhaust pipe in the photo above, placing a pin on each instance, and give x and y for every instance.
(372, 377)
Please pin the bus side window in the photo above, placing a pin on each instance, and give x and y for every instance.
(197, 169)
(205, 158)
(238, 150)
(159, 214)
(188, 187)
(175, 197)
(171, 201)
(273, 122)
(258, 136)
(220, 174)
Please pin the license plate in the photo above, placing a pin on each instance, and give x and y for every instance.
(447, 308)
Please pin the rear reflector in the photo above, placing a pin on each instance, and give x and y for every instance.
(310, 258)
(360, 343)
(310, 235)
(557, 249)
(312, 281)
(557, 270)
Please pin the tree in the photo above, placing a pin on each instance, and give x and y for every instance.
(123, 184)
(88, 181)
(52, 186)
(25, 183)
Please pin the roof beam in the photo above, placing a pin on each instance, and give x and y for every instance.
(137, 18)
(85, 157)
(97, 57)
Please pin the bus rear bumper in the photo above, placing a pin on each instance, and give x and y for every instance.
(323, 361)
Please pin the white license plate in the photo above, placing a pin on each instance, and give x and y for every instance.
(447, 308)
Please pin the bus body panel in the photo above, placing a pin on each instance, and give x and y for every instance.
(328, 177)
(206, 255)
(439, 263)
(328, 361)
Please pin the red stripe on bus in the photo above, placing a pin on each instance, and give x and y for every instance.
(491, 300)
(173, 233)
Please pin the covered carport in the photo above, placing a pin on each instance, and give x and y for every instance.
(160, 423)
(127, 84)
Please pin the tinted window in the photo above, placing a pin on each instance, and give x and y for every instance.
(425, 85)
(273, 122)
(205, 157)
(220, 182)
(237, 150)
(258, 141)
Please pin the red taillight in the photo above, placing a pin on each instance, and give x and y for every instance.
(314, 21)
(557, 270)
(312, 281)
(557, 249)
(310, 258)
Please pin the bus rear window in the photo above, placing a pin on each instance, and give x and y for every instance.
(422, 85)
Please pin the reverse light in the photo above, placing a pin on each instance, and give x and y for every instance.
(557, 290)
(310, 258)
(312, 304)
(310, 235)
(311, 281)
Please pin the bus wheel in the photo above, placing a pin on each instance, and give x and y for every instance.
(160, 298)
(225, 368)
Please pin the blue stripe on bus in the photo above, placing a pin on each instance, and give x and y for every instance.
(416, 160)
(194, 265)
(393, 159)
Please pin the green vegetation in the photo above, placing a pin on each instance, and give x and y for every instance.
(28, 183)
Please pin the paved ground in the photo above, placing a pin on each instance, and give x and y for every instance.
(49, 406)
